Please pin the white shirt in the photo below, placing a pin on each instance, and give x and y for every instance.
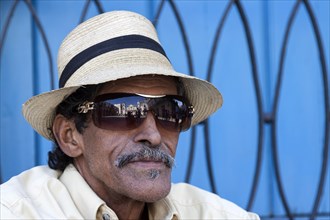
(43, 193)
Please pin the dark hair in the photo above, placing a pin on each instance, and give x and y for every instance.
(57, 159)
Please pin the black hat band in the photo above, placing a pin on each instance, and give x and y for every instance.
(123, 42)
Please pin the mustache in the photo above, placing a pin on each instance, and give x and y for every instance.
(146, 153)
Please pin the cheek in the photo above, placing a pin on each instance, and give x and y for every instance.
(171, 141)
(103, 145)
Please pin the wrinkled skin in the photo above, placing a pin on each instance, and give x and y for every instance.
(126, 189)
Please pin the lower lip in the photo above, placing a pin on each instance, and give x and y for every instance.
(148, 164)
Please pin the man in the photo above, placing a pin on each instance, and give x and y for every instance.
(116, 121)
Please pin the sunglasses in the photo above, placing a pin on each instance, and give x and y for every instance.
(125, 111)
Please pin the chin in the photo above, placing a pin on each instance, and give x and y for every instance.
(156, 194)
(153, 190)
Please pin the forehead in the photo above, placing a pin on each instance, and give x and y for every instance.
(149, 85)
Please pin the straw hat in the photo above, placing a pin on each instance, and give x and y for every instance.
(108, 47)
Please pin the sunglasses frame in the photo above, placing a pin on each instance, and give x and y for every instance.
(87, 106)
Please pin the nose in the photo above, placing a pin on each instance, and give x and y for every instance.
(148, 131)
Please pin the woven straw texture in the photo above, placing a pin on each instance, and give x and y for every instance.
(39, 111)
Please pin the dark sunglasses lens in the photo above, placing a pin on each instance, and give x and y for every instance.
(128, 113)
(172, 114)
(118, 114)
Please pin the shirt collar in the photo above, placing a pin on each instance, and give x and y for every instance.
(83, 196)
(80, 190)
(163, 209)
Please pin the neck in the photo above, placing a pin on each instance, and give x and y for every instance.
(124, 207)
(130, 209)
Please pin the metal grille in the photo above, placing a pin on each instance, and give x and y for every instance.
(264, 118)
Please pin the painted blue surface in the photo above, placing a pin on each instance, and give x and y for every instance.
(234, 128)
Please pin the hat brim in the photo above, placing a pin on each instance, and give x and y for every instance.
(39, 110)
(108, 47)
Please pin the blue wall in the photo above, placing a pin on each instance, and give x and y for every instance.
(301, 117)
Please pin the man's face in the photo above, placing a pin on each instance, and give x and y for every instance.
(102, 150)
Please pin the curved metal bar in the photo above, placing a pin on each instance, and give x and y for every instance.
(216, 40)
(183, 32)
(209, 75)
(85, 9)
(2, 41)
(208, 156)
(156, 18)
(295, 215)
(84, 12)
(263, 118)
(6, 26)
(99, 6)
(256, 85)
(184, 37)
(191, 155)
(44, 38)
(191, 72)
(259, 103)
(275, 107)
(324, 165)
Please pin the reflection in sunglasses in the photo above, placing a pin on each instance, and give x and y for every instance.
(124, 111)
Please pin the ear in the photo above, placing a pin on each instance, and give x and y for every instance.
(67, 136)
